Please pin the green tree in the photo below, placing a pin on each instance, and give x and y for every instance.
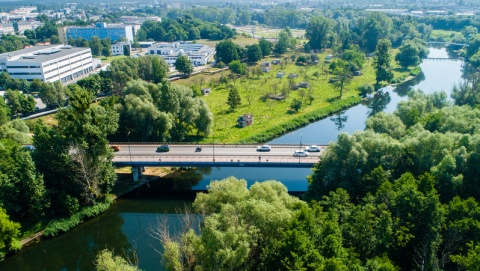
(19, 103)
(254, 53)
(86, 127)
(374, 27)
(296, 104)
(96, 45)
(282, 44)
(410, 54)
(106, 261)
(184, 65)
(9, 231)
(53, 94)
(234, 100)
(266, 46)
(343, 75)
(317, 31)
(227, 51)
(22, 191)
(381, 62)
(4, 112)
(237, 67)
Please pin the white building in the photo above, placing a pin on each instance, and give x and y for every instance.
(199, 54)
(138, 20)
(118, 48)
(48, 63)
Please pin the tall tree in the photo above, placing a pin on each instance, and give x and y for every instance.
(343, 74)
(317, 31)
(96, 45)
(254, 53)
(234, 100)
(381, 62)
(86, 127)
(266, 46)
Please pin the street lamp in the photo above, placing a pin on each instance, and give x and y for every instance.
(213, 138)
(300, 147)
(129, 151)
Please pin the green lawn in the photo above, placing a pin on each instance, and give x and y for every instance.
(270, 114)
(110, 58)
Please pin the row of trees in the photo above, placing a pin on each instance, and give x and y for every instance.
(183, 28)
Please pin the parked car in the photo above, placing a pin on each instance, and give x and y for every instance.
(300, 153)
(115, 148)
(312, 148)
(163, 148)
(263, 148)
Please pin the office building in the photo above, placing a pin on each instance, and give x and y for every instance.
(199, 54)
(48, 63)
(102, 30)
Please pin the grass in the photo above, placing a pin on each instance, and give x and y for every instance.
(272, 117)
(268, 32)
(110, 58)
(445, 34)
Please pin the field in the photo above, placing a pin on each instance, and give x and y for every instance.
(269, 33)
(274, 117)
(444, 34)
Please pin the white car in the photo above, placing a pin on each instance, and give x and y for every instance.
(300, 153)
(263, 148)
(312, 148)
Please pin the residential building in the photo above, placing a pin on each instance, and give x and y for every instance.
(118, 48)
(139, 20)
(48, 63)
(102, 30)
(199, 54)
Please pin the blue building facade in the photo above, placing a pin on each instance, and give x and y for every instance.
(101, 30)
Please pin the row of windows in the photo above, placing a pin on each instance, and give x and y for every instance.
(26, 73)
(22, 67)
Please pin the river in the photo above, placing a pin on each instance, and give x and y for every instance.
(128, 226)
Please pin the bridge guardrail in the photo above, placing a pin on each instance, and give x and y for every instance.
(220, 145)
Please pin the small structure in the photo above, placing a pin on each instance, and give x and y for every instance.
(265, 69)
(293, 75)
(328, 58)
(295, 86)
(280, 74)
(357, 73)
(276, 61)
(265, 64)
(244, 120)
(304, 84)
(277, 97)
(205, 91)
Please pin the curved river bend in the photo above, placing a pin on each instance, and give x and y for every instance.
(128, 225)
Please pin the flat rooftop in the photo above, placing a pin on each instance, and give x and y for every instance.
(44, 53)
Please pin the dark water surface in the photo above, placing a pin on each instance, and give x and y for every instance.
(128, 225)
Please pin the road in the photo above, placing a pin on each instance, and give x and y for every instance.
(210, 150)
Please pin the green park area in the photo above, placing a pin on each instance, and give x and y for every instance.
(269, 98)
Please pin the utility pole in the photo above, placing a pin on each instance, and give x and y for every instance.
(129, 151)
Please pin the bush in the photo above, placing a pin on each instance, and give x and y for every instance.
(58, 226)
(366, 89)
(220, 65)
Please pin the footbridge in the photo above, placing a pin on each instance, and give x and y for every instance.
(213, 155)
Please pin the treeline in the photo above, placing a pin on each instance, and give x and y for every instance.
(9, 43)
(184, 28)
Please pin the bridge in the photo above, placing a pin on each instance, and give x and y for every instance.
(140, 155)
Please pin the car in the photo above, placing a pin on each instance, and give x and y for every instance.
(115, 148)
(312, 148)
(263, 148)
(198, 149)
(300, 153)
(29, 147)
(163, 148)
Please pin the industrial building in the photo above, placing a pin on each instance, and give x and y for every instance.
(48, 63)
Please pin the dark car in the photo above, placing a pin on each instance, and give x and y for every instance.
(198, 149)
(163, 148)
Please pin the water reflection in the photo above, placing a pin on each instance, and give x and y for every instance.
(339, 120)
(379, 102)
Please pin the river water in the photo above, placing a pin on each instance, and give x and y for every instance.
(128, 227)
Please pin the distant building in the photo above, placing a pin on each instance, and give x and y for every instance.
(199, 54)
(118, 48)
(101, 30)
(48, 63)
(138, 20)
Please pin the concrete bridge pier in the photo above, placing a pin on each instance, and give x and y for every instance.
(137, 172)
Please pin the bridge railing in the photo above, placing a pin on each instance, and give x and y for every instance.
(217, 145)
(217, 158)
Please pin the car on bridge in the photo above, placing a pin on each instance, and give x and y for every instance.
(163, 148)
(263, 148)
(115, 148)
(312, 148)
(300, 153)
